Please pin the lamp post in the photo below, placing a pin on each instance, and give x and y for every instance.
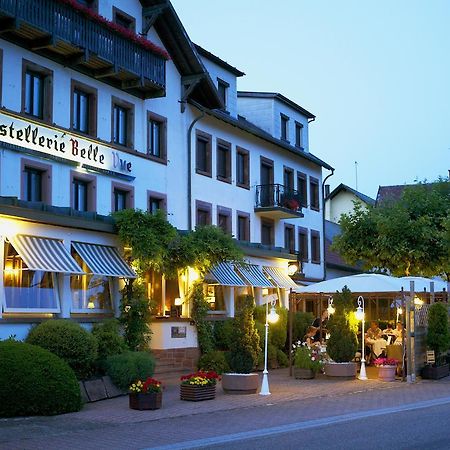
(271, 317)
(360, 316)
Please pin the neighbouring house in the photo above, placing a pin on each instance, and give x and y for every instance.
(101, 115)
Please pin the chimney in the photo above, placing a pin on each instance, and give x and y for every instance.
(327, 190)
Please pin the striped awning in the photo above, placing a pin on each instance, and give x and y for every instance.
(223, 274)
(253, 275)
(103, 260)
(48, 255)
(279, 278)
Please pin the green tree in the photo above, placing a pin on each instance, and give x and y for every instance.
(438, 336)
(409, 236)
(200, 308)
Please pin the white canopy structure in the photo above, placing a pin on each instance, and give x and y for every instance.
(371, 282)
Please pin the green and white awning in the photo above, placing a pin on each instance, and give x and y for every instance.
(279, 277)
(254, 276)
(224, 274)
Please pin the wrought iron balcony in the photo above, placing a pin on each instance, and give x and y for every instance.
(276, 201)
(60, 32)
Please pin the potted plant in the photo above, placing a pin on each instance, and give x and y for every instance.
(199, 386)
(342, 345)
(244, 350)
(438, 339)
(386, 368)
(307, 361)
(144, 395)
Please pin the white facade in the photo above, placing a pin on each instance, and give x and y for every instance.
(131, 170)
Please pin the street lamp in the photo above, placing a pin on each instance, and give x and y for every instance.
(295, 267)
(271, 317)
(360, 316)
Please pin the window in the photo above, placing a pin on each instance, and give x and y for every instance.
(123, 19)
(27, 289)
(284, 127)
(157, 126)
(242, 168)
(36, 181)
(224, 219)
(203, 154)
(216, 298)
(1, 72)
(222, 87)
(315, 247)
(267, 193)
(156, 202)
(298, 135)
(83, 192)
(37, 92)
(122, 123)
(288, 179)
(122, 197)
(289, 238)
(267, 232)
(303, 243)
(203, 213)
(243, 226)
(223, 161)
(302, 188)
(314, 193)
(89, 292)
(84, 109)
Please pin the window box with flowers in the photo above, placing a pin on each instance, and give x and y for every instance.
(199, 386)
(307, 361)
(387, 368)
(145, 395)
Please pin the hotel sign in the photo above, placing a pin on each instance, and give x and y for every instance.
(34, 136)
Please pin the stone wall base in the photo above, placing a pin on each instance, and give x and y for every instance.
(176, 359)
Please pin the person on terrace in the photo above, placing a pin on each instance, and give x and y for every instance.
(310, 337)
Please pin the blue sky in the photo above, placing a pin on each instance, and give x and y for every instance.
(375, 73)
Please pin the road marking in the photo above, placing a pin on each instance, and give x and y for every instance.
(282, 429)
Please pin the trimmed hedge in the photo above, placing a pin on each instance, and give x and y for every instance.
(68, 340)
(128, 367)
(34, 381)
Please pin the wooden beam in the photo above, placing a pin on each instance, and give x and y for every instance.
(78, 58)
(8, 24)
(149, 16)
(105, 73)
(133, 84)
(44, 42)
(189, 83)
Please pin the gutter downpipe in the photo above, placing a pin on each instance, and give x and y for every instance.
(323, 224)
(189, 170)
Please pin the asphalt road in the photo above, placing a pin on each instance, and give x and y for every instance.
(418, 425)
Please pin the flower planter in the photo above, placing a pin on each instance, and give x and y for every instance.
(140, 401)
(240, 383)
(193, 393)
(303, 374)
(435, 373)
(347, 370)
(387, 373)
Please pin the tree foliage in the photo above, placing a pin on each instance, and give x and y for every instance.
(438, 336)
(200, 308)
(409, 236)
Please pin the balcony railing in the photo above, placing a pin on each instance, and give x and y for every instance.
(70, 33)
(280, 200)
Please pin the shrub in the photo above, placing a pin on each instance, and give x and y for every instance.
(244, 349)
(301, 322)
(223, 334)
(200, 308)
(307, 358)
(438, 336)
(282, 358)
(110, 341)
(34, 381)
(126, 368)
(214, 361)
(68, 340)
(341, 346)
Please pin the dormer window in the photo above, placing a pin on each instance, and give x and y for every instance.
(298, 134)
(123, 19)
(284, 127)
(222, 87)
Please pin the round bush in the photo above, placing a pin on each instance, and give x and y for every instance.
(69, 341)
(215, 361)
(110, 341)
(128, 367)
(34, 381)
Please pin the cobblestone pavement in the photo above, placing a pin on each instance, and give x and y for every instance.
(111, 424)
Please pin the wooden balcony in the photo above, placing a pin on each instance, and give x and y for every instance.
(275, 201)
(63, 34)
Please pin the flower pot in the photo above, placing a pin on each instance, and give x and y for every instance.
(193, 393)
(140, 401)
(347, 369)
(303, 374)
(435, 373)
(240, 383)
(387, 373)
